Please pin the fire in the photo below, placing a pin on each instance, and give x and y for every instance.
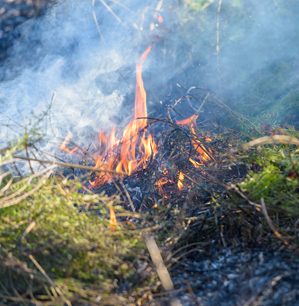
(136, 146)
(181, 180)
(188, 121)
(113, 221)
(64, 146)
(203, 153)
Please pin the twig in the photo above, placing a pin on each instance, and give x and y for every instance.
(127, 195)
(275, 139)
(110, 10)
(69, 165)
(218, 33)
(95, 19)
(29, 161)
(13, 201)
(271, 225)
(8, 184)
(43, 272)
(161, 269)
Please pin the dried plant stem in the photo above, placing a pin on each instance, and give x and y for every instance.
(68, 165)
(110, 10)
(95, 19)
(218, 31)
(14, 198)
(276, 233)
(160, 266)
(275, 139)
(127, 196)
(43, 272)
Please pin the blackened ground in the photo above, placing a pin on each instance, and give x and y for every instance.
(12, 14)
(233, 278)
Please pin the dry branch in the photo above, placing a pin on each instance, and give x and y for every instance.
(275, 139)
(161, 269)
(69, 165)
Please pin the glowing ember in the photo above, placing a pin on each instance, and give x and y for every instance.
(161, 183)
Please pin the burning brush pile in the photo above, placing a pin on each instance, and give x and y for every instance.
(172, 209)
(151, 159)
(88, 232)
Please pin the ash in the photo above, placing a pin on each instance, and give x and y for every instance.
(239, 277)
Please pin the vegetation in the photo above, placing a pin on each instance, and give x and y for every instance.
(275, 178)
(58, 244)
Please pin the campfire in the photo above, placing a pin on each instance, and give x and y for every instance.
(136, 148)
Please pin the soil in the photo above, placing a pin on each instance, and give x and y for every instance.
(239, 277)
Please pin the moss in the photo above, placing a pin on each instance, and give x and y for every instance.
(77, 250)
(275, 178)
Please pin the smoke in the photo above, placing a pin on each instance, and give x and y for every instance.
(77, 61)
(245, 51)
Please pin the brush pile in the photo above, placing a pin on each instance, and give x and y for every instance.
(72, 245)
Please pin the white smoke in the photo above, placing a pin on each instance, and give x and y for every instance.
(68, 62)
(79, 59)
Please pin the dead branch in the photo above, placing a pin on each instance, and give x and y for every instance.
(69, 165)
(276, 233)
(275, 139)
(161, 269)
(49, 280)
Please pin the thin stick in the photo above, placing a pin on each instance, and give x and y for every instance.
(161, 269)
(218, 36)
(68, 165)
(95, 19)
(275, 139)
(128, 196)
(110, 10)
(270, 223)
(43, 272)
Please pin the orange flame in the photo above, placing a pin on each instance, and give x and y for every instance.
(188, 121)
(181, 180)
(136, 146)
(203, 153)
(113, 221)
(134, 149)
(64, 146)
